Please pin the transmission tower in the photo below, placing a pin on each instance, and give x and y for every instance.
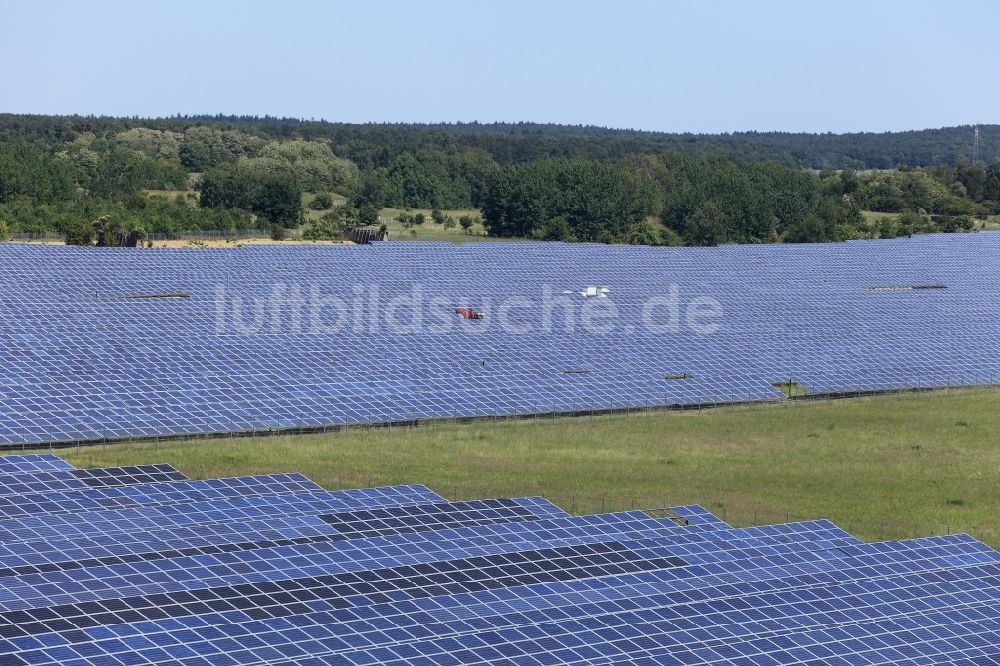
(975, 146)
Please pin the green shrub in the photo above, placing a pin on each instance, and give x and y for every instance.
(555, 229)
(887, 227)
(368, 215)
(329, 227)
(846, 232)
(321, 201)
(118, 233)
(670, 238)
(79, 232)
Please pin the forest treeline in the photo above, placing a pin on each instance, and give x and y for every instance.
(83, 176)
(377, 145)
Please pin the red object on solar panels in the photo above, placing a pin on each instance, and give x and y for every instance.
(468, 313)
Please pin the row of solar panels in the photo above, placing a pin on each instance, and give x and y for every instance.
(275, 570)
(91, 272)
(79, 364)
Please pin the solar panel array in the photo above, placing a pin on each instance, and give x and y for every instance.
(274, 570)
(101, 344)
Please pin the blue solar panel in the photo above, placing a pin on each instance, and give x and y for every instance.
(397, 575)
(22, 483)
(81, 360)
(40, 462)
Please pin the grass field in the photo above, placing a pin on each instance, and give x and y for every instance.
(871, 216)
(428, 231)
(882, 467)
(989, 224)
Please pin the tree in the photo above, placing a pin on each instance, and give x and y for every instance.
(333, 225)
(598, 200)
(205, 148)
(313, 163)
(25, 171)
(849, 180)
(973, 180)
(368, 215)
(122, 172)
(466, 221)
(950, 224)
(79, 232)
(811, 229)
(154, 144)
(991, 182)
(274, 195)
(279, 200)
(4, 231)
(329, 227)
(912, 222)
(645, 234)
(705, 227)
(887, 227)
(555, 229)
(670, 238)
(437, 216)
(321, 201)
(118, 233)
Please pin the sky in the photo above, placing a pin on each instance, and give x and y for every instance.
(696, 66)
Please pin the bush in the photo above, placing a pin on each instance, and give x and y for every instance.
(437, 216)
(670, 238)
(329, 227)
(4, 231)
(887, 227)
(912, 222)
(278, 232)
(120, 233)
(79, 232)
(466, 221)
(846, 232)
(333, 225)
(368, 215)
(555, 229)
(321, 201)
(419, 218)
(449, 222)
(646, 234)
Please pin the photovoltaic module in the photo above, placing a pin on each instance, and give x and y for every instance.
(274, 570)
(101, 344)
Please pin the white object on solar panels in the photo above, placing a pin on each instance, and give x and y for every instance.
(595, 292)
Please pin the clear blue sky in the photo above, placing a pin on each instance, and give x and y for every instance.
(696, 66)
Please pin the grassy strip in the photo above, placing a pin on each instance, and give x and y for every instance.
(883, 467)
